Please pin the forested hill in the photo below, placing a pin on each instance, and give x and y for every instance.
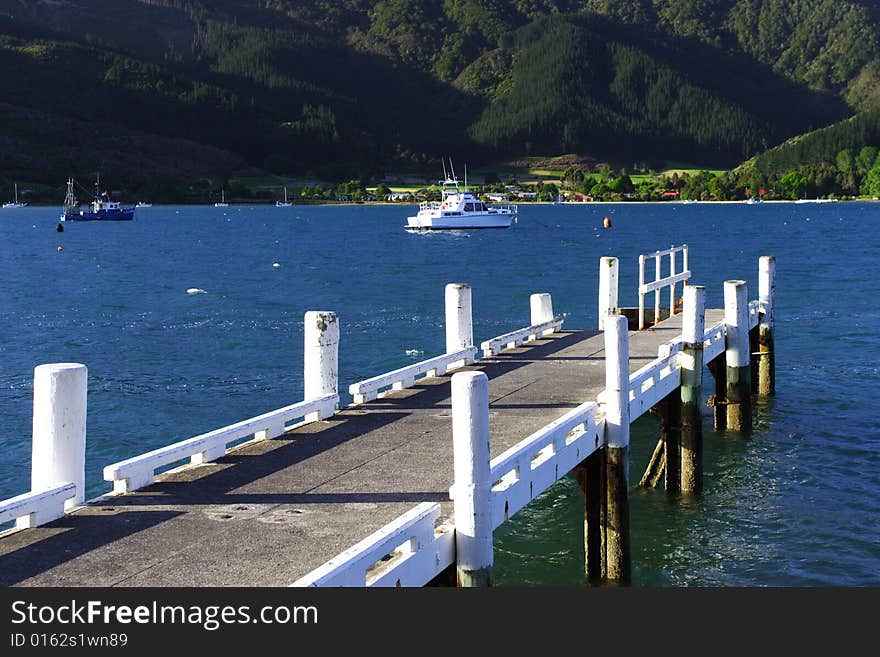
(176, 89)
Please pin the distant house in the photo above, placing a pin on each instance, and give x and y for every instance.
(399, 196)
(497, 198)
(580, 197)
(670, 195)
(342, 197)
(369, 197)
(525, 195)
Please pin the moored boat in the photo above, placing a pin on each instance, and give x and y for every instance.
(285, 203)
(458, 209)
(100, 209)
(15, 203)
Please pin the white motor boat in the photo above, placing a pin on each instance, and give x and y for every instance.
(458, 209)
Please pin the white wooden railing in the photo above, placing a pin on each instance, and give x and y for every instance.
(37, 507)
(408, 551)
(660, 281)
(405, 377)
(534, 464)
(516, 338)
(139, 471)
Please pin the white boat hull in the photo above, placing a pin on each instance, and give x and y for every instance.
(465, 222)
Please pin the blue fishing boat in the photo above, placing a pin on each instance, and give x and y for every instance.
(101, 209)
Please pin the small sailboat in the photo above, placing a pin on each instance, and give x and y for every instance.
(141, 204)
(285, 203)
(222, 203)
(15, 203)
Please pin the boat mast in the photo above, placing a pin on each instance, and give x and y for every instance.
(70, 199)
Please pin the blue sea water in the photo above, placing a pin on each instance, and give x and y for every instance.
(795, 504)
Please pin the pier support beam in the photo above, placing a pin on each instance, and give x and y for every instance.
(590, 475)
(670, 434)
(691, 360)
(459, 317)
(59, 430)
(320, 354)
(718, 369)
(739, 388)
(766, 296)
(608, 276)
(473, 485)
(617, 539)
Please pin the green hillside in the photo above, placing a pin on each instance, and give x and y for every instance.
(160, 90)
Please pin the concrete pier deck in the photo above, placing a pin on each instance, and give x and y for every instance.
(269, 512)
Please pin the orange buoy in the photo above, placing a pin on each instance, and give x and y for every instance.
(606, 223)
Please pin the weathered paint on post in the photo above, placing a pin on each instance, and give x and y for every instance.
(766, 353)
(738, 389)
(541, 308)
(672, 286)
(658, 267)
(459, 317)
(608, 277)
(320, 354)
(617, 540)
(59, 429)
(473, 485)
(691, 361)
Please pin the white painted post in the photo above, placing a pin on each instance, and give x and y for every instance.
(739, 387)
(608, 275)
(617, 541)
(473, 485)
(321, 354)
(541, 307)
(658, 268)
(641, 294)
(459, 317)
(672, 286)
(766, 296)
(59, 430)
(691, 360)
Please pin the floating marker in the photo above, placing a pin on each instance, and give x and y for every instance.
(195, 290)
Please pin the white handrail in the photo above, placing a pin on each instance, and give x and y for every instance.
(408, 551)
(535, 463)
(516, 338)
(37, 507)
(660, 282)
(405, 377)
(139, 471)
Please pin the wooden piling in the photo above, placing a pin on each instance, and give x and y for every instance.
(766, 294)
(738, 389)
(617, 539)
(691, 360)
(473, 485)
(670, 431)
(590, 475)
(718, 370)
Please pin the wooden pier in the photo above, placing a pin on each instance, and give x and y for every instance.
(405, 486)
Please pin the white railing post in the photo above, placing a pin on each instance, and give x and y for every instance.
(658, 267)
(641, 294)
(766, 355)
(541, 307)
(617, 540)
(459, 317)
(59, 431)
(739, 386)
(320, 354)
(608, 274)
(473, 484)
(672, 285)
(691, 360)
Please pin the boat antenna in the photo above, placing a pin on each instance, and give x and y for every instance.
(465, 176)
(443, 162)
(452, 168)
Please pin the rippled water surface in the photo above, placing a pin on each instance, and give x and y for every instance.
(797, 503)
